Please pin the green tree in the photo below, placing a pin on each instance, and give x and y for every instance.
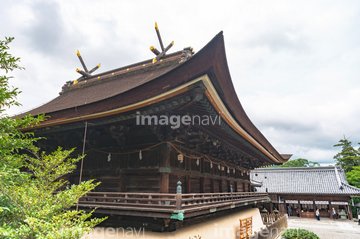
(348, 157)
(353, 176)
(31, 202)
(300, 162)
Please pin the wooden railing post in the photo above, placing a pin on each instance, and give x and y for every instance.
(178, 188)
(178, 201)
(178, 196)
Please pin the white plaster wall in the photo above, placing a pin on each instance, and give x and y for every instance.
(226, 227)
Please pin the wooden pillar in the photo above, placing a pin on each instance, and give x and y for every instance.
(188, 184)
(202, 168)
(212, 185)
(314, 205)
(122, 183)
(350, 213)
(122, 180)
(165, 164)
(164, 183)
(188, 164)
(330, 209)
(282, 207)
(202, 184)
(299, 208)
(271, 207)
(221, 185)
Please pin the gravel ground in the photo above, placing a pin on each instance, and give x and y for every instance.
(327, 228)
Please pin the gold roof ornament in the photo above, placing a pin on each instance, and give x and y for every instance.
(163, 50)
(85, 73)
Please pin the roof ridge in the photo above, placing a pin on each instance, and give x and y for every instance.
(350, 186)
(296, 168)
(134, 68)
(338, 178)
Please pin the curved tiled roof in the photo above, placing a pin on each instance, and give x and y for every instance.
(122, 87)
(307, 180)
(108, 84)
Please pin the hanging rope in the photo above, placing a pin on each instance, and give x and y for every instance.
(217, 162)
(82, 160)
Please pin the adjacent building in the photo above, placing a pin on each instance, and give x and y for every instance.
(303, 190)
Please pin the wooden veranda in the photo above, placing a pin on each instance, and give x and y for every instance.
(168, 206)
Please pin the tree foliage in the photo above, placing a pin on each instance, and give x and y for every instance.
(295, 233)
(353, 176)
(348, 157)
(300, 162)
(31, 202)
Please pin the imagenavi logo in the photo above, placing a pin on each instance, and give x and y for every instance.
(177, 120)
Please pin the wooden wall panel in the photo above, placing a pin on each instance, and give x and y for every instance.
(148, 158)
(225, 187)
(216, 186)
(216, 170)
(195, 186)
(109, 185)
(174, 162)
(145, 183)
(240, 187)
(194, 166)
(247, 187)
(207, 185)
(206, 166)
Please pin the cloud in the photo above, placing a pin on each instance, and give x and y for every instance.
(295, 66)
(279, 39)
(46, 28)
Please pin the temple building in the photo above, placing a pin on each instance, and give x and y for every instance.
(303, 190)
(167, 138)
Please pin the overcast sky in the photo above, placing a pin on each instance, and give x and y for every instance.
(295, 64)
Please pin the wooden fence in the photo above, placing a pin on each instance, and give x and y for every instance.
(270, 218)
(275, 225)
(161, 205)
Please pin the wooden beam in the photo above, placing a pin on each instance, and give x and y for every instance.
(122, 183)
(188, 184)
(212, 185)
(349, 211)
(202, 184)
(164, 183)
(165, 156)
(164, 162)
(188, 164)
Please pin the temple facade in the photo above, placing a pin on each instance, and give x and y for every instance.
(167, 138)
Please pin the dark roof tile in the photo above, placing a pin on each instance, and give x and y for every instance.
(309, 180)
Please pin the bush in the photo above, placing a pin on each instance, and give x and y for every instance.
(299, 233)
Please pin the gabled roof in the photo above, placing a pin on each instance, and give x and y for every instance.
(307, 180)
(108, 84)
(129, 88)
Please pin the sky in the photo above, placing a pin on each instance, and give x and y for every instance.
(295, 65)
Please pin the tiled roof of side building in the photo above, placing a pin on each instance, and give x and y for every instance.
(307, 180)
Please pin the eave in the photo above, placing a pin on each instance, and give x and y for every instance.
(210, 93)
(210, 62)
